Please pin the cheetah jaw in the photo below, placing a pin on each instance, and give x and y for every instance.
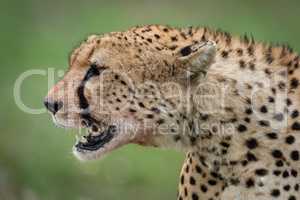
(96, 142)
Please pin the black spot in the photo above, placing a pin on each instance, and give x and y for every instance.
(263, 109)
(150, 116)
(182, 180)
(287, 187)
(296, 126)
(224, 144)
(264, 123)
(154, 109)
(292, 197)
(185, 191)
(285, 174)
(242, 64)
(288, 102)
(244, 163)
(251, 157)
(132, 110)
(215, 175)
(174, 39)
(203, 188)
(271, 100)
(250, 183)
(294, 83)
(295, 155)
(294, 173)
(186, 51)
(295, 114)
(247, 119)
(276, 154)
(251, 143)
(249, 111)
(261, 172)
(156, 36)
(290, 139)
(195, 196)
(212, 182)
(276, 172)
(242, 128)
(272, 136)
(118, 100)
(267, 71)
(279, 163)
(123, 82)
(224, 54)
(275, 193)
(192, 180)
(141, 105)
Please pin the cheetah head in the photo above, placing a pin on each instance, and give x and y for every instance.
(127, 87)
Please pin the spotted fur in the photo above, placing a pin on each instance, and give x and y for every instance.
(242, 139)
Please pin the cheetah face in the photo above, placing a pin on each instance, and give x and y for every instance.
(116, 89)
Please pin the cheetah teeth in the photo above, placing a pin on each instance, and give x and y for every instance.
(83, 133)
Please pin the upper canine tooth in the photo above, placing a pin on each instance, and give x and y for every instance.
(83, 140)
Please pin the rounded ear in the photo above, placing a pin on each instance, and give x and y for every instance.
(197, 57)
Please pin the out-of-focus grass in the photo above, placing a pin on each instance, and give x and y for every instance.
(35, 156)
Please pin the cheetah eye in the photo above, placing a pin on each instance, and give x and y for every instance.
(94, 70)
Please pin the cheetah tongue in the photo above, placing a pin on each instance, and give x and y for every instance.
(94, 142)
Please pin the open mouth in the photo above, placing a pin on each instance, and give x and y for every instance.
(94, 140)
(100, 138)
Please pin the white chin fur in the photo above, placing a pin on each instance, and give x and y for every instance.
(87, 155)
(118, 141)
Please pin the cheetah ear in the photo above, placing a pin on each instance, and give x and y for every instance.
(197, 57)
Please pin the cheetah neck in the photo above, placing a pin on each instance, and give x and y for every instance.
(241, 66)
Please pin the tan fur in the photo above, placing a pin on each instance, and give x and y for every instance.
(241, 97)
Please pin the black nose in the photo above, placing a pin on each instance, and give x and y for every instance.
(53, 106)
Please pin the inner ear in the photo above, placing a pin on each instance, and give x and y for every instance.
(197, 57)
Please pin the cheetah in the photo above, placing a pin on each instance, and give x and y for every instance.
(231, 104)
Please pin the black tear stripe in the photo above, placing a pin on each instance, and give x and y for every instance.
(83, 103)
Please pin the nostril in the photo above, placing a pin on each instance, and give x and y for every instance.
(53, 106)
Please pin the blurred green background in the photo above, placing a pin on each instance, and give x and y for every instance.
(35, 157)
